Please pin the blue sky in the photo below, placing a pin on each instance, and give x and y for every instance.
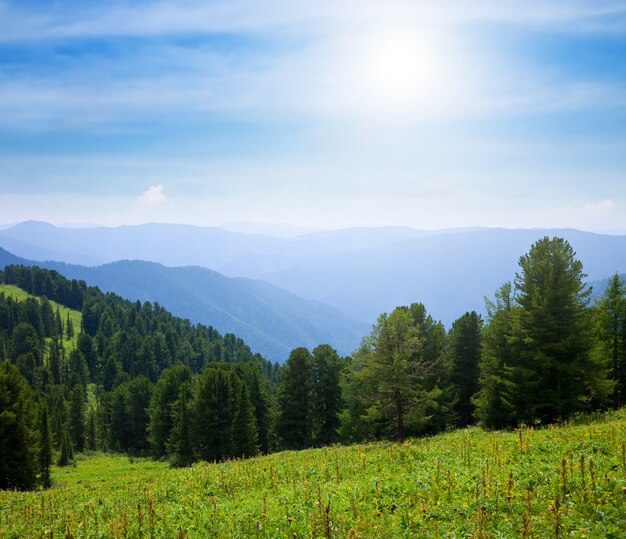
(321, 114)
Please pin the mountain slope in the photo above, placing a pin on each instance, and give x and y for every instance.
(269, 319)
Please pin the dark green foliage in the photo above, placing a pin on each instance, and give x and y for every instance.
(179, 445)
(66, 451)
(610, 336)
(435, 378)
(245, 432)
(213, 411)
(128, 404)
(85, 343)
(325, 395)
(162, 405)
(552, 336)
(17, 467)
(77, 417)
(294, 400)
(44, 447)
(491, 406)
(390, 373)
(464, 351)
(261, 400)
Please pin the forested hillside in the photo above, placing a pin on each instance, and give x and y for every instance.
(271, 320)
(141, 381)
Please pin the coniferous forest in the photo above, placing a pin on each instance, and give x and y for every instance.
(86, 371)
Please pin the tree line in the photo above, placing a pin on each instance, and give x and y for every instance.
(138, 380)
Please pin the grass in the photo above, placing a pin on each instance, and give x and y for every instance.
(561, 481)
(76, 317)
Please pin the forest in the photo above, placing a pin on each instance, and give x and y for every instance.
(81, 370)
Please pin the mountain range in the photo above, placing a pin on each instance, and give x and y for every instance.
(361, 272)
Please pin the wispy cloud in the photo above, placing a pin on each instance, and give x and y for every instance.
(152, 197)
(122, 18)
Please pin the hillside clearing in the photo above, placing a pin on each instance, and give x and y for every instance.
(551, 482)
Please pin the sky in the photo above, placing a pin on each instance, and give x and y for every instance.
(321, 114)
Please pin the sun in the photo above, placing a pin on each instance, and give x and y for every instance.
(399, 69)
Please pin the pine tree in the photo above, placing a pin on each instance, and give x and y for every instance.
(17, 470)
(54, 361)
(212, 412)
(551, 369)
(58, 323)
(44, 449)
(491, 407)
(166, 393)
(262, 402)
(610, 336)
(69, 327)
(77, 417)
(294, 399)
(245, 433)
(464, 349)
(66, 451)
(325, 395)
(390, 373)
(179, 446)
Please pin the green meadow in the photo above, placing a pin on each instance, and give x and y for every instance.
(559, 481)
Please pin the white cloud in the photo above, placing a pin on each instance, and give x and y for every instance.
(125, 18)
(599, 209)
(598, 216)
(152, 197)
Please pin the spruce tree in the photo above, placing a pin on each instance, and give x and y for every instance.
(17, 467)
(44, 449)
(245, 432)
(464, 349)
(492, 408)
(179, 445)
(550, 373)
(69, 327)
(77, 417)
(212, 413)
(391, 374)
(610, 336)
(294, 399)
(66, 451)
(325, 394)
(166, 393)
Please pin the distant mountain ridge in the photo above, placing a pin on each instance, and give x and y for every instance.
(359, 271)
(270, 320)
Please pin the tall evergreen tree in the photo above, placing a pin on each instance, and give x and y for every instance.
(17, 469)
(610, 336)
(391, 374)
(464, 349)
(77, 417)
(325, 394)
(66, 451)
(138, 394)
(179, 445)
(551, 368)
(44, 449)
(245, 432)
(69, 327)
(261, 400)
(162, 403)
(294, 400)
(212, 412)
(492, 408)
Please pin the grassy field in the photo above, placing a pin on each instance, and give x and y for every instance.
(76, 317)
(567, 481)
